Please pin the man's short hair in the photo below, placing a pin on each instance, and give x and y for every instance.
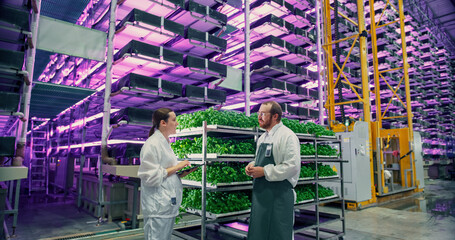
(275, 109)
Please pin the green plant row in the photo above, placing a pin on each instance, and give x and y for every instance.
(187, 146)
(217, 202)
(309, 170)
(307, 128)
(326, 150)
(307, 192)
(221, 172)
(236, 119)
(307, 149)
(304, 192)
(212, 116)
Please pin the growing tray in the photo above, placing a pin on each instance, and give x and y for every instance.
(210, 185)
(215, 215)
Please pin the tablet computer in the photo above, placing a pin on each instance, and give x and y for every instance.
(188, 170)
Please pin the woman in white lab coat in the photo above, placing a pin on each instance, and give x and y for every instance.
(161, 188)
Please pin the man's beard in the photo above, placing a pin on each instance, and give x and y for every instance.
(266, 123)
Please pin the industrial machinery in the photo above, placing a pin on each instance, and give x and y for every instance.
(379, 144)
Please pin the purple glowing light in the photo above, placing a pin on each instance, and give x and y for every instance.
(238, 226)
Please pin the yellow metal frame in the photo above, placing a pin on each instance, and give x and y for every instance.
(328, 50)
(376, 131)
(365, 97)
(406, 137)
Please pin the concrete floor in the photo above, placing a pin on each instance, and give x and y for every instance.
(45, 217)
(430, 215)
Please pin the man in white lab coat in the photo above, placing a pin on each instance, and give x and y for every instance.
(275, 171)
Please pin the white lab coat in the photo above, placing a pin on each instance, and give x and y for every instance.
(286, 153)
(161, 195)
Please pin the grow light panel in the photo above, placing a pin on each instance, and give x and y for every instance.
(237, 106)
(143, 59)
(300, 4)
(200, 17)
(300, 37)
(147, 28)
(204, 95)
(146, 87)
(269, 46)
(278, 8)
(156, 7)
(299, 56)
(200, 43)
(262, 8)
(206, 67)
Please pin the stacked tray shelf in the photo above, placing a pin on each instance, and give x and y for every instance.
(242, 186)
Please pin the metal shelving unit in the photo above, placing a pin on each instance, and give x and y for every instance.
(205, 158)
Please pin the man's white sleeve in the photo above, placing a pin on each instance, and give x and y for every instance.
(291, 163)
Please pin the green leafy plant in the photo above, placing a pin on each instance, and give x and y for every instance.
(214, 117)
(221, 172)
(326, 150)
(307, 171)
(183, 147)
(236, 119)
(217, 202)
(307, 149)
(308, 192)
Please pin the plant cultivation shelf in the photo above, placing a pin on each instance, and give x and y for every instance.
(330, 177)
(193, 183)
(217, 215)
(327, 156)
(214, 128)
(304, 201)
(327, 198)
(224, 156)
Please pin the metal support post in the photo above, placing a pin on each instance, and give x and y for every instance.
(100, 191)
(405, 70)
(329, 64)
(16, 205)
(134, 209)
(317, 189)
(319, 53)
(379, 166)
(247, 58)
(82, 161)
(204, 181)
(407, 89)
(377, 86)
(365, 86)
(27, 91)
(107, 90)
(343, 202)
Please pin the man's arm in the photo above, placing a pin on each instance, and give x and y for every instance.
(290, 166)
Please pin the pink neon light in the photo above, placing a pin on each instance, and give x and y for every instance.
(239, 226)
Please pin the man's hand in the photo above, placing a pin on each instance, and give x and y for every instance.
(248, 169)
(254, 172)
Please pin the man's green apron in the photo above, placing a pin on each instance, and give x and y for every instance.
(272, 210)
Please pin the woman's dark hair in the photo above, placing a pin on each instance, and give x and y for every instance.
(158, 115)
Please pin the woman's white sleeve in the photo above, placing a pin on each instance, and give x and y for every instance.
(150, 171)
